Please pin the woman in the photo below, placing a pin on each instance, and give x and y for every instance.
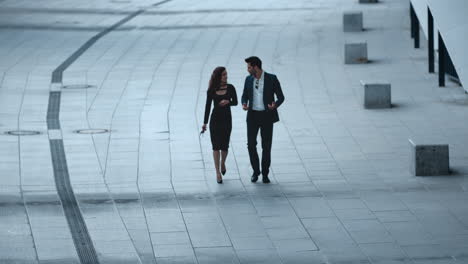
(223, 96)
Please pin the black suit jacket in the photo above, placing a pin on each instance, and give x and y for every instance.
(271, 87)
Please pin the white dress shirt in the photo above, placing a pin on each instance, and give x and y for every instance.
(257, 103)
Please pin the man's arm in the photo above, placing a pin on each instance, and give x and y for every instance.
(278, 91)
(245, 96)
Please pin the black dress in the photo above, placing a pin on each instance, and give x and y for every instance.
(221, 120)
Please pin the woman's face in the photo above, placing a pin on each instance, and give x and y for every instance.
(224, 77)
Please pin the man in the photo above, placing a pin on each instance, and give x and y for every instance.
(258, 99)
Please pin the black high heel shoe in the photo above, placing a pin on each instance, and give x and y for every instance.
(223, 171)
(219, 181)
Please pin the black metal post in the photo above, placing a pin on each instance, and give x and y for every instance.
(412, 16)
(430, 39)
(416, 32)
(442, 54)
(414, 27)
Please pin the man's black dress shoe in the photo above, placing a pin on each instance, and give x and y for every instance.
(254, 177)
(265, 179)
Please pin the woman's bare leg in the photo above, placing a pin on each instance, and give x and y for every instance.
(216, 157)
(224, 154)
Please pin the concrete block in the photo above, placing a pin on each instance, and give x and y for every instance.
(368, 1)
(377, 94)
(355, 53)
(429, 159)
(352, 21)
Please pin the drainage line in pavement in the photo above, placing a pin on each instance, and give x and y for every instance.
(81, 238)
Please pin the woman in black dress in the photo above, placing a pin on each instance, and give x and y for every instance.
(223, 96)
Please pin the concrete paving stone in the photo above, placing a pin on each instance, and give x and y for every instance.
(348, 252)
(354, 214)
(166, 225)
(436, 261)
(177, 260)
(18, 251)
(15, 230)
(170, 238)
(114, 246)
(295, 245)
(294, 232)
(252, 242)
(455, 249)
(311, 207)
(57, 261)
(216, 255)
(335, 188)
(322, 223)
(409, 233)
(280, 210)
(298, 188)
(302, 257)
(178, 250)
(395, 216)
(109, 234)
(245, 228)
(50, 233)
(331, 238)
(92, 209)
(383, 202)
(102, 223)
(18, 261)
(280, 221)
(210, 235)
(11, 209)
(231, 207)
(119, 258)
(426, 252)
(337, 204)
(133, 221)
(371, 236)
(258, 256)
(55, 222)
(384, 252)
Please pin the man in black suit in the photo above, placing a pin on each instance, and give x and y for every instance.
(258, 99)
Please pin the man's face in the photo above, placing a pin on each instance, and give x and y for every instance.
(251, 69)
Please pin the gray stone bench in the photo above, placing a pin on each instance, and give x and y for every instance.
(429, 159)
(352, 21)
(355, 53)
(377, 94)
(368, 1)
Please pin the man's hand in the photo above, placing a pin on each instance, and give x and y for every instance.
(224, 102)
(272, 106)
(245, 107)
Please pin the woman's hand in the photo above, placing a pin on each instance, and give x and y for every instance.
(224, 102)
(203, 128)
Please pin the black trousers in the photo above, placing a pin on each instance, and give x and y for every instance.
(259, 120)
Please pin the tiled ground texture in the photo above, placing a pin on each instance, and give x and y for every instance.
(341, 189)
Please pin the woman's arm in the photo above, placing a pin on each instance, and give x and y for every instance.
(233, 99)
(207, 108)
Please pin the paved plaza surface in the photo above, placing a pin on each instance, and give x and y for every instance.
(145, 190)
